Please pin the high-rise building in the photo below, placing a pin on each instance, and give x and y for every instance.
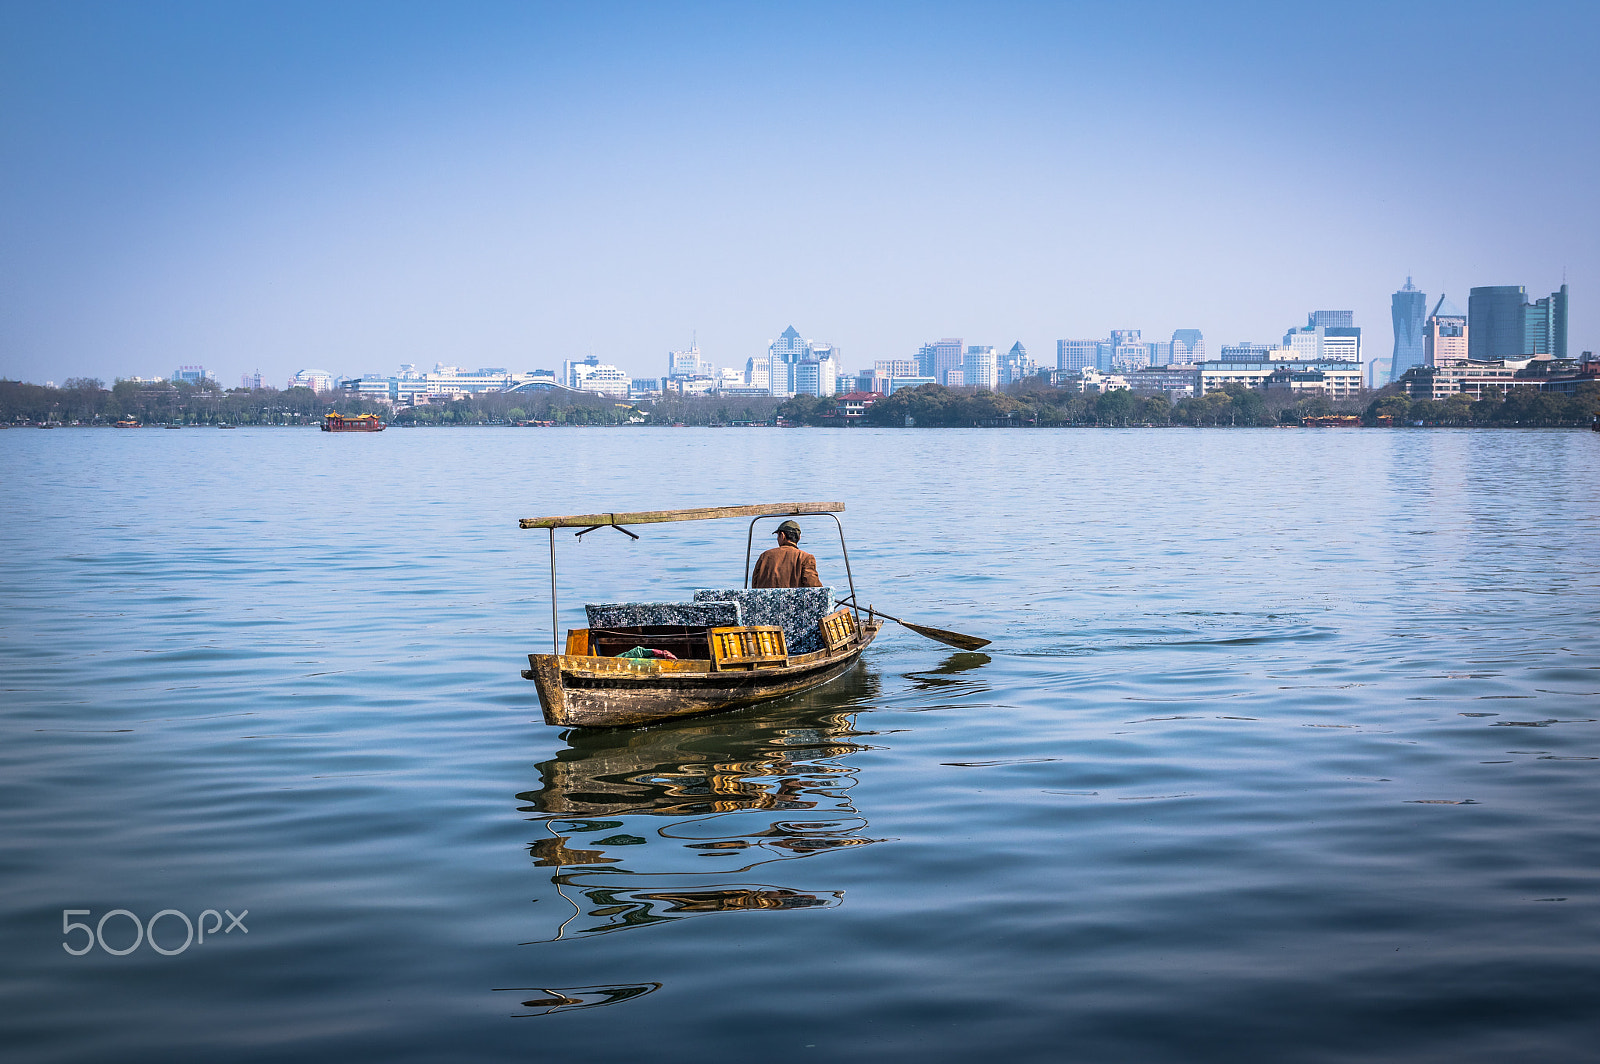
(758, 373)
(897, 367)
(784, 356)
(1188, 347)
(940, 357)
(1408, 308)
(689, 363)
(1333, 319)
(1123, 352)
(1015, 365)
(1446, 336)
(980, 368)
(1495, 322)
(1342, 342)
(1074, 356)
(1544, 325)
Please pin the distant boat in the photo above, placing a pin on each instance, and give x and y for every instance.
(227, 426)
(127, 423)
(172, 426)
(353, 423)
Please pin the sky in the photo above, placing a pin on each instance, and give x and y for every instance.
(350, 186)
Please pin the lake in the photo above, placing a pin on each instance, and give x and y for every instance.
(1285, 749)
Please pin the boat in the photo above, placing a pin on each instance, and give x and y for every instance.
(690, 658)
(128, 423)
(353, 423)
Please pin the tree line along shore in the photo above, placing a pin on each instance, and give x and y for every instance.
(1030, 403)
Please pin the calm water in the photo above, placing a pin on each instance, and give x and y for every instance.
(1285, 750)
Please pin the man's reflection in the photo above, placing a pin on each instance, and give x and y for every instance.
(648, 825)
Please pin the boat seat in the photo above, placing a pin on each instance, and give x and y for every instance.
(712, 614)
(797, 610)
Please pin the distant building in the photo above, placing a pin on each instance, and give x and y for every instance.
(1341, 379)
(1378, 373)
(980, 368)
(250, 380)
(1188, 347)
(1544, 325)
(1333, 319)
(1075, 355)
(897, 367)
(1465, 376)
(591, 375)
(938, 358)
(318, 380)
(189, 375)
(852, 406)
(788, 352)
(1445, 335)
(875, 380)
(896, 383)
(1125, 351)
(1091, 380)
(815, 376)
(954, 378)
(1495, 322)
(1408, 308)
(758, 374)
(1245, 351)
(1014, 366)
(1175, 380)
(689, 363)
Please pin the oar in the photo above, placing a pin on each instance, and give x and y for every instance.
(938, 635)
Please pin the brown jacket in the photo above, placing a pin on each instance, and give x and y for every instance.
(785, 566)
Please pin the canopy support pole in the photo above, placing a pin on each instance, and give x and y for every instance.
(555, 630)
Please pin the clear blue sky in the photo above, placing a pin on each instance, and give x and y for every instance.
(354, 185)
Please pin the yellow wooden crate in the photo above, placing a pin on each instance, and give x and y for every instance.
(748, 647)
(838, 629)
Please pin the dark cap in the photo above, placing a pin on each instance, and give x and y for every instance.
(790, 529)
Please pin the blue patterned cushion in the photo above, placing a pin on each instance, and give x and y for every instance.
(797, 610)
(635, 614)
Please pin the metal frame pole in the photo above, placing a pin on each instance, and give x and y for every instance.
(555, 630)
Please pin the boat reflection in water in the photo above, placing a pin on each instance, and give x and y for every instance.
(699, 816)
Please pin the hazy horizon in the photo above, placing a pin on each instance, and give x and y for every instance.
(355, 186)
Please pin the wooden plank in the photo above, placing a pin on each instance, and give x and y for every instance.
(703, 513)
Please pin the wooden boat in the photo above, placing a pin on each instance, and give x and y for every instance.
(353, 423)
(713, 667)
(128, 423)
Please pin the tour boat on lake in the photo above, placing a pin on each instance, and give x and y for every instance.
(353, 423)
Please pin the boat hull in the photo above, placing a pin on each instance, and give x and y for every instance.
(594, 692)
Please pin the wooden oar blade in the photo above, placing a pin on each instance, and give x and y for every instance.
(954, 639)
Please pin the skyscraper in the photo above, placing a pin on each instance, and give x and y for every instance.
(1408, 308)
(1188, 347)
(1333, 319)
(1073, 356)
(940, 357)
(1445, 338)
(1496, 322)
(980, 368)
(1544, 325)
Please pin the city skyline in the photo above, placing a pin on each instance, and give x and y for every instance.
(277, 187)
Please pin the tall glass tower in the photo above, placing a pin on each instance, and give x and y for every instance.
(1495, 322)
(1409, 309)
(1544, 325)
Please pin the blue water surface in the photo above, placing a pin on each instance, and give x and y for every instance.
(1285, 749)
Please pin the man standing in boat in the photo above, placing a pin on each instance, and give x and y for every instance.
(786, 565)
